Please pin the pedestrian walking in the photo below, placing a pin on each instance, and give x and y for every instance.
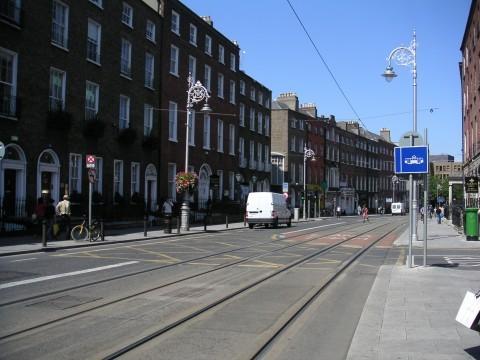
(63, 210)
(359, 210)
(339, 211)
(422, 213)
(439, 215)
(365, 214)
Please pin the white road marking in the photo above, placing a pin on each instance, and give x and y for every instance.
(23, 260)
(73, 273)
(315, 227)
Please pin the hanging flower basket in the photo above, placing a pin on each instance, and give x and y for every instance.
(186, 182)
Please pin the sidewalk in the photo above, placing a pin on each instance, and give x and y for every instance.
(410, 313)
(29, 244)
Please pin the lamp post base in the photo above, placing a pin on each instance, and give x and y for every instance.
(185, 214)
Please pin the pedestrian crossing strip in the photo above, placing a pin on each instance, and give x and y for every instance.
(463, 260)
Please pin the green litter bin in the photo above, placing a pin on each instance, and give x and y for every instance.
(471, 223)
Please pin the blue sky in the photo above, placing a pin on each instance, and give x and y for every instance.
(355, 37)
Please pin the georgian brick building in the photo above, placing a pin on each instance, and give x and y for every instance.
(109, 78)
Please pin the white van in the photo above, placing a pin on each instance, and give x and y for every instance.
(267, 208)
(398, 209)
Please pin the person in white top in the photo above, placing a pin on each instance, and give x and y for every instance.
(63, 210)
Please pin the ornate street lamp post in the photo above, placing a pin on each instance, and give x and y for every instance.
(394, 182)
(407, 56)
(307, 153)
(195, 94)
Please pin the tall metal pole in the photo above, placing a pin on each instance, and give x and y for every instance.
(185, 210)
(304, 183)
(414, 184)
(425, 204)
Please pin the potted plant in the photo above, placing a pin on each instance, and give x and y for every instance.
(186, 182)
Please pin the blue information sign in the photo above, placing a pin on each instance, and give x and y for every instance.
(411, 160)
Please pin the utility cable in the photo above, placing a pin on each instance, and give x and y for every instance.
(326, 65)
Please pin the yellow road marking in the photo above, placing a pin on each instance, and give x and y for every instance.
(203, 264)
(352, 246)
(262, 264)
(223, 243)
(324, 261)
(157, 254)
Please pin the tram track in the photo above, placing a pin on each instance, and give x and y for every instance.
(183, 262)
(201, 311)
(176, 281)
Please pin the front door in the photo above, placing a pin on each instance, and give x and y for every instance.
(9, 192)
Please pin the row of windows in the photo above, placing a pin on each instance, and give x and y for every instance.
(60, 28)
(192, 38)
(262, 124)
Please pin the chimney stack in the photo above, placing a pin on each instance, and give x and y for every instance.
(290, 99)
(208, 20)
(309, 109)
(385, 134)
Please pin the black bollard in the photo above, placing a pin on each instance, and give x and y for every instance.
(145, 219)
(205, 219)
(226, 221)
(102, 232)
(44, 233)
(178, 224)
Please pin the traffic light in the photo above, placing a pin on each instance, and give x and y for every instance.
(302, 195)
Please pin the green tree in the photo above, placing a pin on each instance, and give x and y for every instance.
(437, 183)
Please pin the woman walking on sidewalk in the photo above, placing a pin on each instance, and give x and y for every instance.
(365, 214)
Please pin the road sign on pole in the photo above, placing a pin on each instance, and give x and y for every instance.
(2, 150)
(92, 176)
(90, 161)
(411, 160)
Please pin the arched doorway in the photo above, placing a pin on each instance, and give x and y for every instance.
(204, 185)
(13, 184)
(48, 174)
(151, 187)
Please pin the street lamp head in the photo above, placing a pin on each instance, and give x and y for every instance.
(389, 74)
(254, 178)
(238, 176)
(206, 109)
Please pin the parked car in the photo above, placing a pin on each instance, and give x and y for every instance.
(398, 209)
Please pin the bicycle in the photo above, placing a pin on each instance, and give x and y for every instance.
(82, 231)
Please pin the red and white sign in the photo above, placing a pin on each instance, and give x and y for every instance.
(90, 161)
(285, 195)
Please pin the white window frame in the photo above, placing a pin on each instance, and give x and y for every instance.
(232, 92)
(241, 110)
(171, 174)
(208, 45)
(242, 87)
(95, 41)
(175, 24)
(192, 35)
(220, 138)
(192, 66)
(267, 125)
(206, 131)
(117, 177)
(127, 15)
(89, 109)
(252, 93)
(126, 58)
(220, 83)
(98, 184)
(134, 178)
(221, 54)
(259, 122)
(172, 121)
(147, 119)
(260, 98)
(60, 40)
(11, 59)
(174, 53)
(252, 119)
(75, 172)
(124, 112)
(149, 70)
(231, 140)
(252, 151)
(233, 62)
(207, 77)
(241, 148)
(151, 31)
(57, 94)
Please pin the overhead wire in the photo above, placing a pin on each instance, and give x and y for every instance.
(326, 65)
